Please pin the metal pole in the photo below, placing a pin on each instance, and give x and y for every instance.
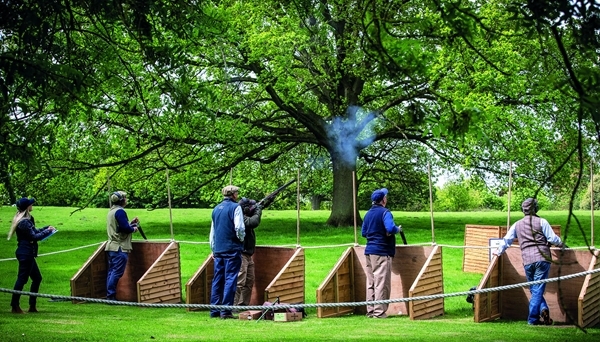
(170, 211)
(509, 194)
(354, 205)
(298, 210)
(431, 204)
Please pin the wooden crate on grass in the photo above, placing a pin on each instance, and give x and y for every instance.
(416, 271)
(476, 257)
(152, 274)
(571, 299)
(279, 273)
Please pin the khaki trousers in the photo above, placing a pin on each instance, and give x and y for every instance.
(245, 283)
(379, 279)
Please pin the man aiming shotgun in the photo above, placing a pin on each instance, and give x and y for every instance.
(252, 215)
(265, 202)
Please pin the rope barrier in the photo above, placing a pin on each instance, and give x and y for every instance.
(298, 306)
(61, 251)
(591, 248)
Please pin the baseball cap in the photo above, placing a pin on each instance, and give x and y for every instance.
(379, 194)
(24, 203)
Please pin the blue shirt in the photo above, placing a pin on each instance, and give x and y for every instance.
(379, 229)
(123, 225)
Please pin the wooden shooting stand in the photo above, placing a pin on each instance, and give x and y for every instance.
(477, 260)
(416, 271)
(279, 272)
(576, 299)
(152, 274)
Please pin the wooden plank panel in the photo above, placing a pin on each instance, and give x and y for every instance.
(329, 291)
(166, 298)
(278, 287)
(288, 291)
(293, 271)
(269, 263)
(143, 255)
(429, 289)
(164, 271)
(476, 260)
(589, 297)
(484, 309)
(592, 294)
(424, 304)
(158, 291)
(160, 278)
(425, 308)
(563, 301)
(169, 299)
(90, 280)
(429, 281)
(199, 286)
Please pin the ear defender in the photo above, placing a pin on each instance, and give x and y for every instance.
(118, 195)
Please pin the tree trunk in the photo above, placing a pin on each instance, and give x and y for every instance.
(5, 179)
(342, 207)
(315, 202)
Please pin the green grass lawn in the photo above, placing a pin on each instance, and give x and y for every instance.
(63, 321)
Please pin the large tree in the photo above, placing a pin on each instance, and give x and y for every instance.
(256, 83)
(202, 88)
(335, 74)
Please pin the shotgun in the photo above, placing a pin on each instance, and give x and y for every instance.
(139, 228)
(402, 235)
(265, 202)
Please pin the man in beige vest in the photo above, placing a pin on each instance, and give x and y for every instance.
(119, 231)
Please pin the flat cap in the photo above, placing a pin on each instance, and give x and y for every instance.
(230, 190)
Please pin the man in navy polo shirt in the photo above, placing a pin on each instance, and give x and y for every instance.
(379, 229)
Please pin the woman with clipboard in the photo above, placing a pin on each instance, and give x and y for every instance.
(27, 249)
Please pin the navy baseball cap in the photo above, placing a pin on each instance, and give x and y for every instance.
(379, 194)
(24, 203)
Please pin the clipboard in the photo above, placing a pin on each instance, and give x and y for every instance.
(46, 238)
(493, 245)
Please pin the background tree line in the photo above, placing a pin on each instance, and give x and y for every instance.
(463, 193)
(95, 90)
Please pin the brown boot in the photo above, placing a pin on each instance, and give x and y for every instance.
(32, 309)
(16, 310)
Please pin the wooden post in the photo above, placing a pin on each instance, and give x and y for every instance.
(298, 210)
(108, 187)
(354, 205)
(509, 194)
(592, 201)
(169, 198)
(431, 204)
